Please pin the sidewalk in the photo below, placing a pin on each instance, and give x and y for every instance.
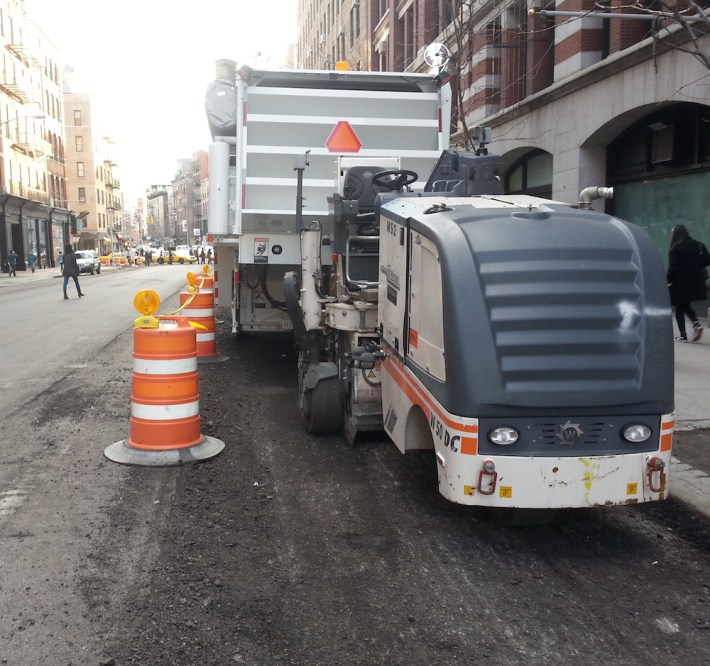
(690, 465)
(692, 383)
(27, 277)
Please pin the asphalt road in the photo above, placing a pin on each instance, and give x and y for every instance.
(64, 388)
(287, 548)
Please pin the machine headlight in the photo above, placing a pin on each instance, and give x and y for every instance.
(636, 433)
(503, 436)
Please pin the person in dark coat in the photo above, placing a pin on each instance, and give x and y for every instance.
(70, 269)
(12, 263)
(687, 259)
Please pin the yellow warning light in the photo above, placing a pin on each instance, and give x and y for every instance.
(205, 269)
(191, 280)
(342, 66)
(146, 302)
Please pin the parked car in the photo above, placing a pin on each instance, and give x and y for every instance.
(158, 255)
(88, 261)
(182, 255)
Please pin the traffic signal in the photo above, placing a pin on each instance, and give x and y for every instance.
(72, 223)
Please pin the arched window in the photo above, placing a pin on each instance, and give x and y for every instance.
(531, 174)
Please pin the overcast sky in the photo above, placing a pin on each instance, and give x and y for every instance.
(147, 63)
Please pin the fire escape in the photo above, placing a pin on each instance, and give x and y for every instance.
(12, 84)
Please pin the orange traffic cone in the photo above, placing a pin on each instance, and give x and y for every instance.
(165, 406)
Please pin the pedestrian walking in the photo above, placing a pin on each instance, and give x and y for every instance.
(70, 270)
(687, 261)
(202, 255)
(209, 256)
(12, 263)
(32, 260)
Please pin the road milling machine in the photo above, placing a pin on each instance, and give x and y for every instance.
(528, 342)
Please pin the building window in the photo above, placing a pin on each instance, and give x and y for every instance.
(354, 23)
(79, 144)
(80, 169)
(82, 195)
(532, 174)
(382, 7)
(77, 117)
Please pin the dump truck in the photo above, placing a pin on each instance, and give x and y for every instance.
(267, 125)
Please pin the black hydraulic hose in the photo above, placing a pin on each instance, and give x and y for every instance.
(265, 289)
(292, 289)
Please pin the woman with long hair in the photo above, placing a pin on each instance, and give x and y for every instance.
(70, 269)
(687, 259)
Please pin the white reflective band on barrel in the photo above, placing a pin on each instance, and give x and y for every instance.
(205, 337)
(206, 312)
(165, 412)
(173, 366)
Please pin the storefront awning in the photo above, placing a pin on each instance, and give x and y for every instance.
(99, 235)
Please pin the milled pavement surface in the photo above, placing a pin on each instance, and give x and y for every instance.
(689, 481)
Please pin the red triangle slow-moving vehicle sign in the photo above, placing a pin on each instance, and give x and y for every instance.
(343, 139)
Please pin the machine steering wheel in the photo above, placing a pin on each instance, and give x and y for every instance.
(394, 180)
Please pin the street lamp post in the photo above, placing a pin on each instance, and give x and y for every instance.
(39, 115)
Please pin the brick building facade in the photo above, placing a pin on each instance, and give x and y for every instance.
(572, 101)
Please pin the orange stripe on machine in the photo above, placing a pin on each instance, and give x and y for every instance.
(469, 444)
(395, 369)
(413, 338)
(667, 427)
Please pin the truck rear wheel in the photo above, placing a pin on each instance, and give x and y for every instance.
(321, 407)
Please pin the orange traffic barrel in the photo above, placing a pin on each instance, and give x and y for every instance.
(199, 307)
(204, 281)
(165, 404)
